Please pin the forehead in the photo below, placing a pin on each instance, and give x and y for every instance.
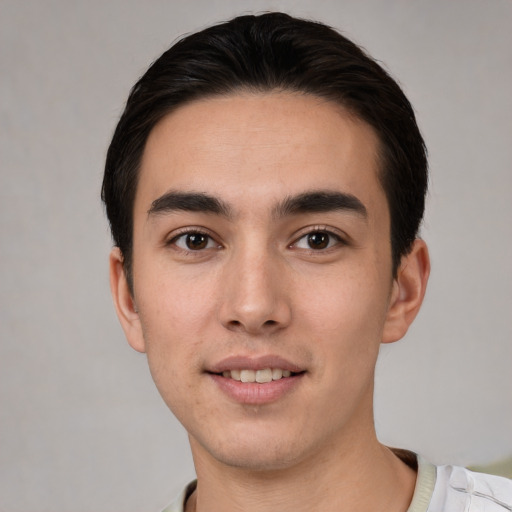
(247, 146)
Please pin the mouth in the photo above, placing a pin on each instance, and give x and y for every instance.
(256, 381)
(260, 376)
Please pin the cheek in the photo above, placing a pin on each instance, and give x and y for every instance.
(174, 315)
(346, 317)
(346, 299)
(174, 303)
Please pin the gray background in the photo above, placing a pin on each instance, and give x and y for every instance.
(81, 426)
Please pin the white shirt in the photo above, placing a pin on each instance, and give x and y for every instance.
(456, 489)
(438, 489)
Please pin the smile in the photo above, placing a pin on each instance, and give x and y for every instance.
(259, 376)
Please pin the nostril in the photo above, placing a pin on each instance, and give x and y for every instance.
(237, 325)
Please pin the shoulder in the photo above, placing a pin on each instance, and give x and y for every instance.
(459, 489)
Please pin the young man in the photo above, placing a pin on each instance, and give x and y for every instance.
(265, 186)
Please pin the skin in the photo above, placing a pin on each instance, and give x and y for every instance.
(259, 288)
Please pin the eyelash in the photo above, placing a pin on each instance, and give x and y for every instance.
(186, 232)
(334, 239)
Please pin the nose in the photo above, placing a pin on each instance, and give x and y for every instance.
(255, 298)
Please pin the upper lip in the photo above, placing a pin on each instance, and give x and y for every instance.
(254, 363)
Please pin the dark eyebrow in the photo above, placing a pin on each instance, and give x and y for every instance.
(321, 201)
(188, 201)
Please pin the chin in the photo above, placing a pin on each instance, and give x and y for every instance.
(252, 453)
(257, 461)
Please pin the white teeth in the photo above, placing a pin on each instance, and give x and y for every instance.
(260, 376)
(277, 373)
(247, 375)
(264, 375)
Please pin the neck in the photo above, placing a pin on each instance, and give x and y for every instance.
(356, 477)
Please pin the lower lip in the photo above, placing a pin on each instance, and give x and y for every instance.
(253, 393)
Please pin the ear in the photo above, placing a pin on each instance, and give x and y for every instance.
(408, 291)
(124, 302)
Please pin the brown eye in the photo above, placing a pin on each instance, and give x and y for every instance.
(196, 241)
(318, 240)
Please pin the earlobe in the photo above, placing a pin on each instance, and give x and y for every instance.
(408, 291)
(124, 302)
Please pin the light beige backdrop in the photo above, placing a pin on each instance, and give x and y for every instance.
(81, 426)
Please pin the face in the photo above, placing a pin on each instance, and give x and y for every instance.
(262, 275)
